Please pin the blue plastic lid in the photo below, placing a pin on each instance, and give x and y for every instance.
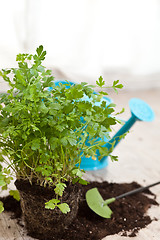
(141, 110)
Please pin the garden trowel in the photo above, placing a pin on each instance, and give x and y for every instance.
(100, 206)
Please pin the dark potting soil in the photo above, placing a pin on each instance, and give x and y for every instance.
(39, 221)
(129, 214)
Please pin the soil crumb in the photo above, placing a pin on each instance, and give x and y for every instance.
(129, 214)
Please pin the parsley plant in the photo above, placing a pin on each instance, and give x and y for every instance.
(43, 132)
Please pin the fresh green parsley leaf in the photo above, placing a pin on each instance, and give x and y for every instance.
(64, 207)
(100, 82)
(1, 207)
(15, 194)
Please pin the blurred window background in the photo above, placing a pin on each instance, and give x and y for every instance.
(118, 39)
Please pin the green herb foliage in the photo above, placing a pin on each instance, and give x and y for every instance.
(1, 207)
(43, 132)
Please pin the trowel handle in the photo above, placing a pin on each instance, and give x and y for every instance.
(140, 189)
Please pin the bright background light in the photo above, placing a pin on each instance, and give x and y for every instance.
(88, 38)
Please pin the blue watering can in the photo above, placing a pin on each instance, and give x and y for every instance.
(140, 111)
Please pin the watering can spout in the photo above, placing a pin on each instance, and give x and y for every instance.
(141, 111)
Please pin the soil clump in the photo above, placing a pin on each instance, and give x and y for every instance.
(129, 214)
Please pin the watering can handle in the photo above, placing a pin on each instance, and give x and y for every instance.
(140, 189)
(125, 128)
(141, 111)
